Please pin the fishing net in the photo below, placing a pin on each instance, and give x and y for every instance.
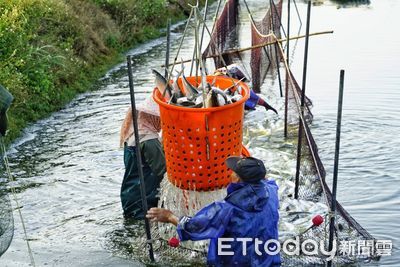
(224, 34)
(314, 195)
(6, 219)
(265, 59)
(225, 40)
(313, 187)
(6, 214)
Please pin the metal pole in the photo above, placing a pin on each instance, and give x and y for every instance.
(202, 33)
(168, 47)
(271, 3)
(139, 158)
(303, 93)
(286, 103)
(204, 27)
(199, 57)
(298, 14)
(196, 43)
(288, 32)
(287, 73)
(306, 53)
(336, 163)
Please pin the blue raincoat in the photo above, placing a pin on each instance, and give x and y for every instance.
(248, 211)
(251, 103)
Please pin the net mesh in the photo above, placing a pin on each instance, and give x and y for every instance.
(265, 59)
(6, 220)
(313, 186)
(6, 214)
(224, 35)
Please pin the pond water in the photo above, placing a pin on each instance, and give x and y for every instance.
(69, 167)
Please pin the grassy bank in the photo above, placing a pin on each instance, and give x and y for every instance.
(51, 50)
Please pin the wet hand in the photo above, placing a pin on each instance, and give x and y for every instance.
(161, 215)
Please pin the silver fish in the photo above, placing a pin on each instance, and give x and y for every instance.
(189, 89)
(234, 89)
(216, 98)
(211, 99)
(199, 99)
(236, 98)
(175, 86)
(163, 86)
(185, 102)
(224, 100)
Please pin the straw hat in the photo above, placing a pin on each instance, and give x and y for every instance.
(149, 106)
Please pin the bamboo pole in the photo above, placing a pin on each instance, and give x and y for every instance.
(168, 46)
(179, 48)
(234, 51)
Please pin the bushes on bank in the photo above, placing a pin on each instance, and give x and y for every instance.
(50, 50)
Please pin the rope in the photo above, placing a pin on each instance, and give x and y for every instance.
(11, 178)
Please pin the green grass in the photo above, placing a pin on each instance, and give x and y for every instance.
(51, 50)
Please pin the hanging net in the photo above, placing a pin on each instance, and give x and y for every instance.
(265, 59)
(6, 213)
(224, 34)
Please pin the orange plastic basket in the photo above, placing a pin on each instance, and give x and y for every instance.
(198, 140)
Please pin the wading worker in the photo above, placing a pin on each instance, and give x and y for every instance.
(153, 159)
(250, 210)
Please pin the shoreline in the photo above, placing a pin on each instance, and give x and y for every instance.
(57, 50)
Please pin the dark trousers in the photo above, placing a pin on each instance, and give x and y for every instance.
(130, 189)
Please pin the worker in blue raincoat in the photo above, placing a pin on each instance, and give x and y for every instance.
(236, 72)
(250, 210)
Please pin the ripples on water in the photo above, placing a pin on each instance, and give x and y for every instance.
(69, 167)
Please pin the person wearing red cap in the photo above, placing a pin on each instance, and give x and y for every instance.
(250, 210)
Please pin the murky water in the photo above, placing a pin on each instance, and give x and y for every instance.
(69, 168)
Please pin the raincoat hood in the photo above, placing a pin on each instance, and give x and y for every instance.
(248, 196)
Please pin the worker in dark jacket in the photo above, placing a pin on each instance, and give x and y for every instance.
(5, 101)
(153, 160)
(250, 210)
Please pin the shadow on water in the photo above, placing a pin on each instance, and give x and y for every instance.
(351, 3)
(341, 3)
